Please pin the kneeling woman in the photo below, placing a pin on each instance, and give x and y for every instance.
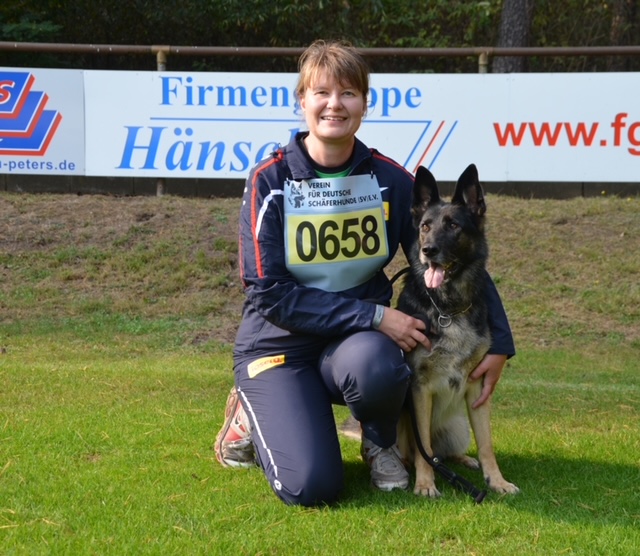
(320, 220)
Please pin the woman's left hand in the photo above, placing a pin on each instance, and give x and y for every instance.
(490, 370)
(404, 330)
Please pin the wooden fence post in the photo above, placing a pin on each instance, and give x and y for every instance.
(161, 61)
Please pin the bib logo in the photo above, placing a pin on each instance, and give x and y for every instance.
(296, 197)
(26, 128)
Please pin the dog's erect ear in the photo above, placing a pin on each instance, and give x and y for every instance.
(469, 191)
(425, 193)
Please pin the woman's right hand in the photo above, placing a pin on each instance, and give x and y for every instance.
(404, 330)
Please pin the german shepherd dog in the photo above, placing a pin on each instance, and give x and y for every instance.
(445, 284)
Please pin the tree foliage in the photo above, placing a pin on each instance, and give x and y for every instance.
(366, 23)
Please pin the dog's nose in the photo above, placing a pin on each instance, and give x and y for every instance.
(430, 250)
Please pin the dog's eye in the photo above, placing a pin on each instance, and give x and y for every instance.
(425, 227)
(453, 225)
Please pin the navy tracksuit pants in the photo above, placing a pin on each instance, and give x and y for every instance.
(290, 408)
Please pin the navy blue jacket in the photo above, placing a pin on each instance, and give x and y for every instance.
(281, 314)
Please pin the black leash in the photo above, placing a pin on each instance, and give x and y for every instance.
(449, 475)
(399, 273)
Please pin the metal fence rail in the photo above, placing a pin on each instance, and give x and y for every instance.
(483, 53)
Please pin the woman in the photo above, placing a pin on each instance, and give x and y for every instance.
(320, 220)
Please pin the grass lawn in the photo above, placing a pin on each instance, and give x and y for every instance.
(116, 325)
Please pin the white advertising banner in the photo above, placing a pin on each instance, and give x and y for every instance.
(41, 121)
(514, 127)
(198, 125)
(537, 127)
(573, 127)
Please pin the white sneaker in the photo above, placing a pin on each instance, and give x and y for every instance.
(387, 470)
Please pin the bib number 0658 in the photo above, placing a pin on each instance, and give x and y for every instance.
(352, 236)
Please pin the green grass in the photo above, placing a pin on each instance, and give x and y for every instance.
(115, 363)
(106, 449)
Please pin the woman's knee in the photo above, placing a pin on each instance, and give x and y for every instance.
(375, 365)
(365, 358)
(310, 486)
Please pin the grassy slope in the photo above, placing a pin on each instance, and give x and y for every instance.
(567, 270)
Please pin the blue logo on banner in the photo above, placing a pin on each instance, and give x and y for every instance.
(26, 128)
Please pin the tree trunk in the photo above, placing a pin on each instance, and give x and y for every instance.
(623, 21)
(515, 29)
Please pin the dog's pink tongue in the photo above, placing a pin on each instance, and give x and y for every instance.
(433, 277)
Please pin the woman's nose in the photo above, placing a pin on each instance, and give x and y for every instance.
(335, 101)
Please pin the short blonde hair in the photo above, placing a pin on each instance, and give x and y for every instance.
(339, 59)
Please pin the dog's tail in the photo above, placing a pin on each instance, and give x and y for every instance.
(350, 428)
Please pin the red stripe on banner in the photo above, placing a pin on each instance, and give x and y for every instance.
(424, 154)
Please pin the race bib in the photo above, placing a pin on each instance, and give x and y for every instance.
(335, 232)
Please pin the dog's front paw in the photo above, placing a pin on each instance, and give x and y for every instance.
(502, 487)
(426, 489)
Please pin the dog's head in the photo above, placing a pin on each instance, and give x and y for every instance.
(451, 235)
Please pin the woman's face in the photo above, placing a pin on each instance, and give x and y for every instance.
(333, 112)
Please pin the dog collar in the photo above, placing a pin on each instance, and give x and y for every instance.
(445, 320)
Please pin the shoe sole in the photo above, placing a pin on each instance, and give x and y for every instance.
(388, 487)
(238, 464)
